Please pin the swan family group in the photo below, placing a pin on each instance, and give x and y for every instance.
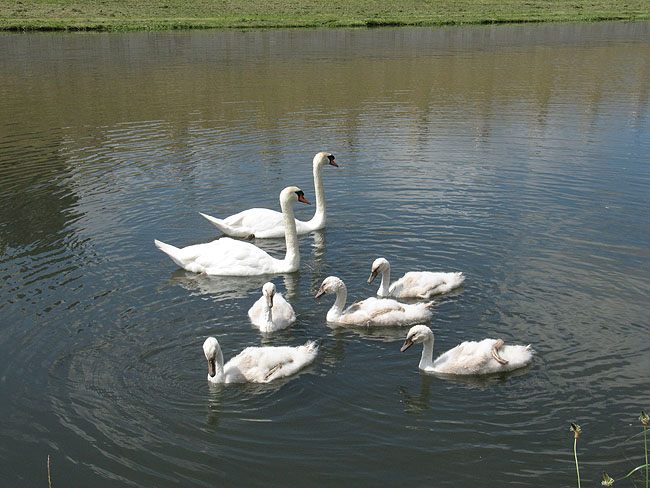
(271, 312)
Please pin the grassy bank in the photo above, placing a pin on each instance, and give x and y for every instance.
(112, 15)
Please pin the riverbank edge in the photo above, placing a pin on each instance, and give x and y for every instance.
(123, 25)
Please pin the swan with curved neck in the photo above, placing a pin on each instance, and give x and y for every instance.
(470, 357)
(414, 284)
(257, 364)
(371, 311)
(271, 311)
(264, 223)
(230, 257)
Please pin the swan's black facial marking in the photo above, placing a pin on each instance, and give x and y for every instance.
(331, 158)
(301, 197)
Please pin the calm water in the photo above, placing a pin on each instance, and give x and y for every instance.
(516, 154)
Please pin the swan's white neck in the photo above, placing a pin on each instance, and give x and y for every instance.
(268, 316)
(219, 377)
(337, 309)
(292, 257)
(385, 282)
(426, 360)
(320, 217)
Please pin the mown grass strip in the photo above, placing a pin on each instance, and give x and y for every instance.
(120, 15)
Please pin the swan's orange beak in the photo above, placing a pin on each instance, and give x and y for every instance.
(301, 198)
(331, 158)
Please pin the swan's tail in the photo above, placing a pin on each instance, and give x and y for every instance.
(173, 252)
(223, 227)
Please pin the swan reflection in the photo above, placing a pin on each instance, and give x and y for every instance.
(229, 287)
(384, 334)
(420, 402)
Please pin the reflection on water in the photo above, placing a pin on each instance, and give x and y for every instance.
(415, 403)
(516, 154)
(385, 334)
(230, 287)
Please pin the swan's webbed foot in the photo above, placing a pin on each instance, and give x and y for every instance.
(495, 351)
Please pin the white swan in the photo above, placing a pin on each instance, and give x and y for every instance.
(371, 311)
(271, 311)
(231, 257)
(263, 222)
(471, 357)
(257, 364)
(414, 284)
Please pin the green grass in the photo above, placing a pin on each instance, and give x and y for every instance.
(118, 15)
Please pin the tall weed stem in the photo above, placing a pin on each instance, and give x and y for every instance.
(576, 433)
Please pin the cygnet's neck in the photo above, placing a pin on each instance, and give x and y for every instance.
(320, 216)
(292, 256)
(426, 360)
(385, 282)
(219, 377)
(337, 309)
(268, 317)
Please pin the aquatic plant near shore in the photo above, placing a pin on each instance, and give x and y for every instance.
(575, 428)
(609, 481)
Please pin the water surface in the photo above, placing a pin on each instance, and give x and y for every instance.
(516, 154)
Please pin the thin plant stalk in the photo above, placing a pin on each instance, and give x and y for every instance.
(49, 478)
(575, 455)
(645, 439)
(576, 433)
(645, 420)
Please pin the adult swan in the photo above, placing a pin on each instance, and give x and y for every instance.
(230, 257)
(264, 222)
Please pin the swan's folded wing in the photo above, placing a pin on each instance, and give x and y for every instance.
(257, 220)
(264, 364)
(256, 312)
(235, 257)
(282, 310)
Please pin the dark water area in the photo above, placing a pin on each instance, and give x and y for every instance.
(516, 154)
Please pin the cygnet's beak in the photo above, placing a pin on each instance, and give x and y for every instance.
(269, 300)
(212, 368)
(320, 293)
(407, 343)
(373, 275)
